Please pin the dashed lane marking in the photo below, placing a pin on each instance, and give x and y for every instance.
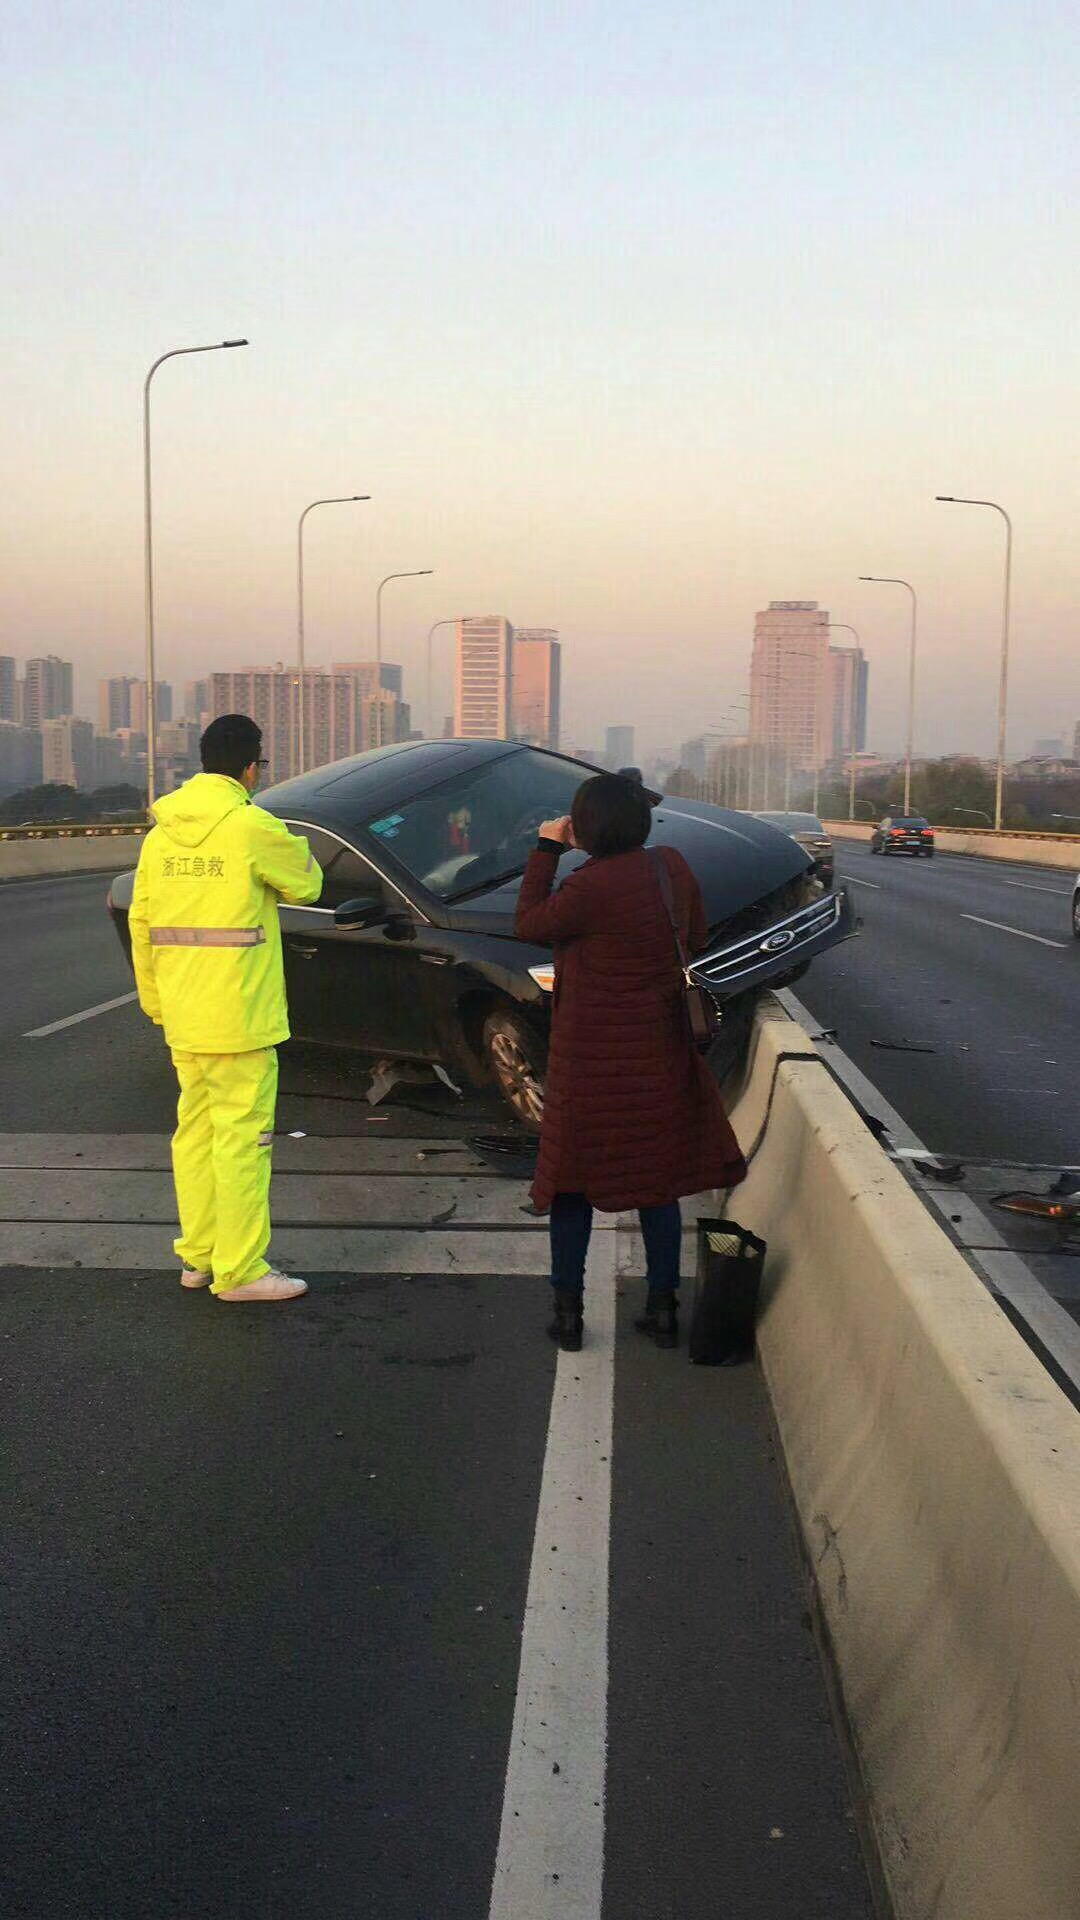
(852, 880)
(73, 1019)
(1030, 886)
(1020, 932)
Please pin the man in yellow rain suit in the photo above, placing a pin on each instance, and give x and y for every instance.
(206, 946)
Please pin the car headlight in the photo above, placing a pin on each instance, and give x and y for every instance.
(544, 977)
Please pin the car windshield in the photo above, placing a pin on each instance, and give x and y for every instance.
(479, 827)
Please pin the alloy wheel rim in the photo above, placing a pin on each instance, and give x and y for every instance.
(517, 1076)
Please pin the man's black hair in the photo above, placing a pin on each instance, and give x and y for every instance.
(230, 744)
(631, 773)
(610, 815)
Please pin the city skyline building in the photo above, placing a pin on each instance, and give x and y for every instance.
(848, 676)
(67, 751)
(791, 698)
(536, 691)
(122, 703)
(620, 747)
(392, 676)
(9, 682)
(48, 690)
(339, 710)
(20, 757)
(483, 706)
(163, 700)
(197, 700)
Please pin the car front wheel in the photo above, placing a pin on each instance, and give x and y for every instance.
(515, 1059)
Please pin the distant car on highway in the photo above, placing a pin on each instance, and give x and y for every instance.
(808, 830)
(904, 833)
(410, 952)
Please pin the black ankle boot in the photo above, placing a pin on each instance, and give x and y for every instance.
(566, 1328)
(660, 1320)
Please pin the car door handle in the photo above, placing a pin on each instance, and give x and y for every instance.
(305, 953)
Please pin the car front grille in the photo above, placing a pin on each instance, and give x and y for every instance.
(735, 965)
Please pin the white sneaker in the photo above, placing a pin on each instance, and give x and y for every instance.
(269, 1286)
(194, 1277)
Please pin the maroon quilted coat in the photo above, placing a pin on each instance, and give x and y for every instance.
(632, 1116)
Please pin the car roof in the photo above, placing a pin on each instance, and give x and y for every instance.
(345, 790)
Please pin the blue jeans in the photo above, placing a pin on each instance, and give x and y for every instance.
(571, 1225)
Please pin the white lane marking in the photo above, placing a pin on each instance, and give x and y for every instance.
(550, 1863)
(1019, 931)
(1030, 887)
(73, 1019)
(852, 880)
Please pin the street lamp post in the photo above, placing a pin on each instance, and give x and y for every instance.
(334, 500)
(432, 631)
(842, 626)
(743, 701)
(414, 573)
(972, 812)
(888, 580)
(958, 500)
(174, 353)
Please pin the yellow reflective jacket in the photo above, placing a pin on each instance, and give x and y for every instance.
(205, 936)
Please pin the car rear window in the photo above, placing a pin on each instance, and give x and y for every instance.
(912, 822)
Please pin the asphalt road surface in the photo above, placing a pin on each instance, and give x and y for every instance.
(961, 1001)
(959, 1004)
(366, 1605)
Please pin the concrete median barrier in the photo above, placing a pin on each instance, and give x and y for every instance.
(935, 1469)
(26, 859)
(1031, 849)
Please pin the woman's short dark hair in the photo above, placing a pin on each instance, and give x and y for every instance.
(230, 744)
(610, 815)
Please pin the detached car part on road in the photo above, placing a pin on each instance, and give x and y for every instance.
(410, 952)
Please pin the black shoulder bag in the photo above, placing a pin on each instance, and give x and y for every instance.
(702, 1017)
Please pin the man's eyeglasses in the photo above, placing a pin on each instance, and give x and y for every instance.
(262, 765)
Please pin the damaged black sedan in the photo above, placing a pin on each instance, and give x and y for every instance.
(410, 952)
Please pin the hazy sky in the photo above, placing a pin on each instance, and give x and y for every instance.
(630, 318)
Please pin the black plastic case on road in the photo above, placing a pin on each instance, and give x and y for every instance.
(729, 1265)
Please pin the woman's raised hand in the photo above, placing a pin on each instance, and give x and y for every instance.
(560, 830)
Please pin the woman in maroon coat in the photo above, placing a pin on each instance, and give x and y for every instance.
(632, 1116)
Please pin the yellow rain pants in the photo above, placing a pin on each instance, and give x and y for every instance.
(221, 1162)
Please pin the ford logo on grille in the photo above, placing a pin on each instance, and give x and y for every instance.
(777, 941)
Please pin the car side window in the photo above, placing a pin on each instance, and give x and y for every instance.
(345, 875)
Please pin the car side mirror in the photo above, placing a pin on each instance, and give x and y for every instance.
(367, 910)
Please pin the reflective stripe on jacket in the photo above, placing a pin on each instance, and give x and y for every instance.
(205, 936)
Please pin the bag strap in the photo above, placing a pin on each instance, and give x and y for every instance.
(663, 881)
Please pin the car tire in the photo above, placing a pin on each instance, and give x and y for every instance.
(928, 853)
(1076, 914)
(516, 1060)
